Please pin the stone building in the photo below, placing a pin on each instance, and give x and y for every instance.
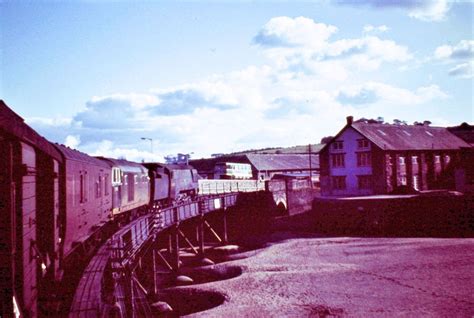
(369, 157)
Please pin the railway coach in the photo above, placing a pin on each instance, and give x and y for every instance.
(30, 230)
(130, 187)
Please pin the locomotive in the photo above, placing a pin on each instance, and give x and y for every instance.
(58, 204)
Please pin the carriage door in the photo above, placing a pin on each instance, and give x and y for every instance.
(7, 227)
(131, 186)
(117, 189)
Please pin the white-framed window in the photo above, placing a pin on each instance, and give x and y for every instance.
(364, 159)
(447, 159)
(401, 161)
(362, 143)
(338, 145)
(338, 160)
(437, 159)
(403, 180)
(414, 160)
(416, 183)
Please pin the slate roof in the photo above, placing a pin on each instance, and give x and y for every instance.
(282, 162)
(409, 137)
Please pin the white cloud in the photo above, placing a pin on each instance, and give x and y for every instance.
(385, 94)
(464, 50)
(430, 10)
(461, 54)
(424, 10)
(300, 31)
(309, 81)
(464, 70)
(72, 141)
(370, 28)
(303, 45)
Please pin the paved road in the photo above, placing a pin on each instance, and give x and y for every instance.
(362, 277)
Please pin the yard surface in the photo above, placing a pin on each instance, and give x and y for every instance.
(320, 277)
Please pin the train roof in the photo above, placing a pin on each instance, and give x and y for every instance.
(15, 125)
(124, 165)
(76, 155)
(154, 165)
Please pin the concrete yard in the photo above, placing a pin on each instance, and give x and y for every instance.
(320, 277)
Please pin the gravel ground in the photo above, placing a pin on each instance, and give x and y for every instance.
(321, 277)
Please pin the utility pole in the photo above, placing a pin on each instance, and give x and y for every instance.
(151, 142)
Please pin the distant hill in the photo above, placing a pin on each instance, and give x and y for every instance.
(282, 150)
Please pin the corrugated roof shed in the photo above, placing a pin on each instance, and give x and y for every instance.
(282, 162)
(409, 137)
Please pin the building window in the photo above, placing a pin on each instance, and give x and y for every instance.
(447, 159)
(437, 159)
(338, 145)
(362, 143)
(416, 183)
(339, 182)
(401, 160)
(403, 180)
(364, 182)
(363, 159)
(338, 160)
(414, 160)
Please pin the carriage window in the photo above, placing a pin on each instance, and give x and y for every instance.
(81, 188)
(106, 184)
(98, 185)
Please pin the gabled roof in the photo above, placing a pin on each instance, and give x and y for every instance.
(409, 137)
(282, 162)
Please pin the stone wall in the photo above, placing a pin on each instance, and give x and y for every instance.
(440, 215)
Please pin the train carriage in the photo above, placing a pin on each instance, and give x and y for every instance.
(130, 186)
(87, 199)
(30, 236)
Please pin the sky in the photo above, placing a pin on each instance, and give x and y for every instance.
(222, 76)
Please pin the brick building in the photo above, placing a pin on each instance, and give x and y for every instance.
(369, 157)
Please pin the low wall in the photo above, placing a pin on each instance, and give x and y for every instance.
(440, 215)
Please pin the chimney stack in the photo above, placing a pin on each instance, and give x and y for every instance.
(349, 119)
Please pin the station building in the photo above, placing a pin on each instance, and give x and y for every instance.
(369, 157)
(264, 166)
